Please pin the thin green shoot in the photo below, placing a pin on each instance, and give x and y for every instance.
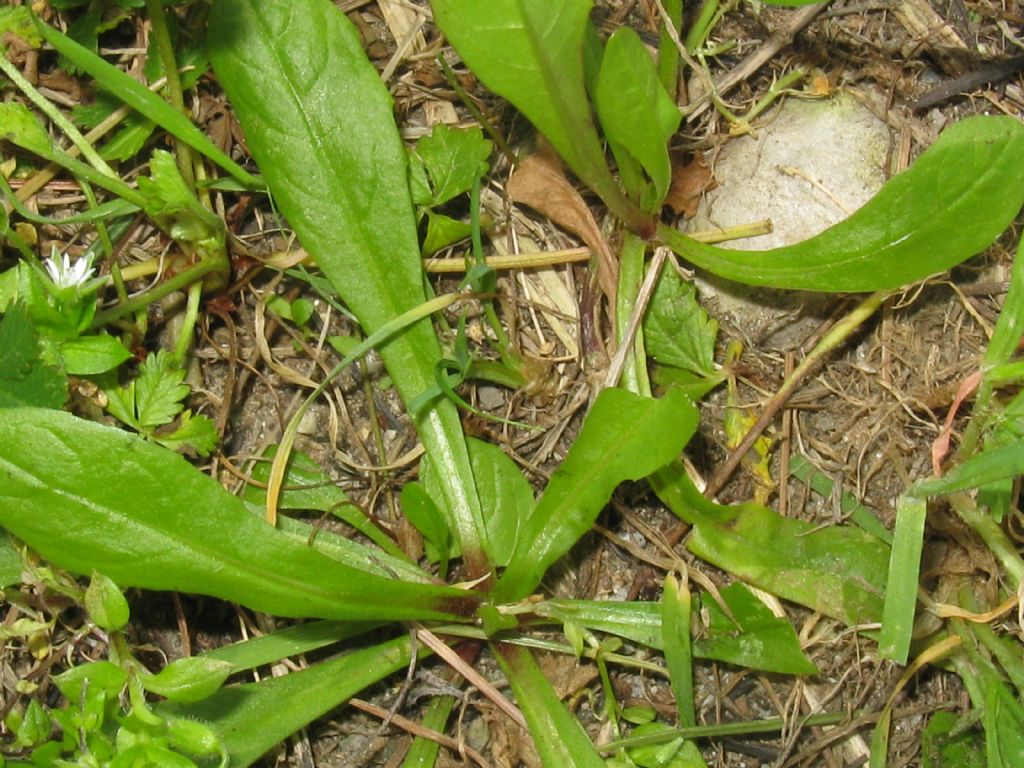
(382, 334)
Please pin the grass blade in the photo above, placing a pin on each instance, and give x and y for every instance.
(560, 739)
(901, 587)
(144, 101)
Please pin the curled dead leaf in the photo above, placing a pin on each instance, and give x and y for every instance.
(689, 183)
(539, 182)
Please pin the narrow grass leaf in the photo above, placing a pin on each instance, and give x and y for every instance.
(634, 621)
(144, 101)
(675, 633)
(851, 508)
(901, 589)
(423, 752)
(86, 496)
(624, 437)
(560, 739)
(291, 641)
(989, 466)
(319, 122)
(251, 718)
(953, 202)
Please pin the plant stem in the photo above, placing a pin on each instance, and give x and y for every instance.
(169, 286)
(631, 273)
(165, 48)
(668, 54)
(991, 534)
(184, 341)
(58, 119)
(836, 335)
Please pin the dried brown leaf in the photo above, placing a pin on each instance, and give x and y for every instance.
(689, 183)
(539, 182)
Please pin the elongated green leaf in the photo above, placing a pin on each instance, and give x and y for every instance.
(319, 122)
(904, 571)
(638, 622)
(837, 570)
(675, 633)
(635, 112)
(86, 497)
(291, 641)
(141, 99)
(531, 53)
(624, 437)
(989, 466)
(252, 718)
(952, 203)
(560, 739)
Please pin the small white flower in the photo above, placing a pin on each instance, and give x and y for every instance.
(66, 274)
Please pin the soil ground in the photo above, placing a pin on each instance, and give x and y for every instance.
(866, 418)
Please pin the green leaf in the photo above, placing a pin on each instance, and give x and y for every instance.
(420, 510)
(423, 752)
(10, 561)
(560, 739)
(837, 570)
(319, 122)
(677, 330)
(635, 112)
(194, 434)
(989, 466)
(154, 397)
(16, 20)
(307, 487)
(291, 641)
(505, 494)
(149, 519)
(22, 128)
(950, 204)
(945, 743)
(531, 53)
(453, 158)
(624, 437)
(442, 231)
(106, 604)
(90, 355)
(103, 675)
(637, 622)
(752, 637)
(190, 679)
(904, 572)
(175, 209)
(675, 633)
(24, 378)
(144, 101)
(249, 719)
